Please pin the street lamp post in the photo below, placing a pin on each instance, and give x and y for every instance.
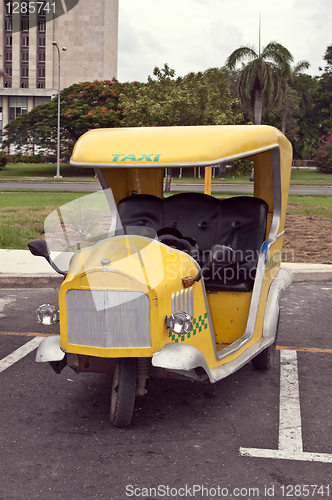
(58, 176)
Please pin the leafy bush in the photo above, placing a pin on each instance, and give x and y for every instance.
(241, 167)
(3, 161)
(19, 158)
(323, 156)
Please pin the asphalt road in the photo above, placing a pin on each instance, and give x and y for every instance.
(57, 443)
(95, 186)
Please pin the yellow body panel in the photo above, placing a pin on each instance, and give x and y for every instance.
(124, 182)
(229, 314)
(150, 147)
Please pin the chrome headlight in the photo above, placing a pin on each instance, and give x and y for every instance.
(47, 314)
(179, 323)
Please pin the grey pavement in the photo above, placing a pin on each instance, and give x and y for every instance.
(19, 268)
(95, 186)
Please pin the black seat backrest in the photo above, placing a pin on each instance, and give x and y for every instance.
(242, 224)
(141, 210)
(238, 222)
(195, 215)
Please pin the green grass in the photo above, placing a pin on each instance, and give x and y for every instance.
(320, 205)
(23, 215)
(310, 176)
(44, 171)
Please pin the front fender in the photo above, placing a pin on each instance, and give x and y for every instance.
(49, 350)
(179, 357)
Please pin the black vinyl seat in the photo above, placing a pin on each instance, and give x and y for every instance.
(238, 222)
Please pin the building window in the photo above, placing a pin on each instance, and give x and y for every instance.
(8, 24)
(17, 106)
(41, 26)
(25, 25)
(8, 56)
(41, 72)
(41, 56)
(41, 41)
(41, 100)
(25, 41)
(25, 56)
(8, 41)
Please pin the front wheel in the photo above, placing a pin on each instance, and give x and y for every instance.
(123, 394)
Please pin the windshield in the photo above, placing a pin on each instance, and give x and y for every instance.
(79, 224)
(83, 223)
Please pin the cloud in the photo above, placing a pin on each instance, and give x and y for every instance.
(193, 35)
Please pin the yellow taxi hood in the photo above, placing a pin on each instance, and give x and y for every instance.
(151, 147)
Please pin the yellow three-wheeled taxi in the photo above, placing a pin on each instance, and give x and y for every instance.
(185, 286)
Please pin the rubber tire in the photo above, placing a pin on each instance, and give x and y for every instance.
(123, 394)
(265, 359)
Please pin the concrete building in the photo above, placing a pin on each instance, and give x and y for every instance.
(29, 62)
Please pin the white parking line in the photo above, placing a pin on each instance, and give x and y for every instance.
(19, 353)
(290, 446)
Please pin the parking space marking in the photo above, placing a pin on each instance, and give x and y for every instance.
(290, 445)
(19, 353)
(303, 349)
(28, 334)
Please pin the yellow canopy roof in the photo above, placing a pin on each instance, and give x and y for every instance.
(151, 147)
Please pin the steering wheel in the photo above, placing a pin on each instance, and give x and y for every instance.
(173, 237)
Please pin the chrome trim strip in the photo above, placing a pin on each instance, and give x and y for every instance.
(182, 301)
(173, 303)
(191, 302)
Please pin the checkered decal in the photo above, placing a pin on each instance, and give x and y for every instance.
(199, 324)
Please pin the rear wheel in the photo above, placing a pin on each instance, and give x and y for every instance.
(123, 392)
(265, 359)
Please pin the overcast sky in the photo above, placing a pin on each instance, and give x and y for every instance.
(194, 35)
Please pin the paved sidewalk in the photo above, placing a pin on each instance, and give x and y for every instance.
(20, 269)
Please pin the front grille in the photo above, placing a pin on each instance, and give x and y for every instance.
(110, 319)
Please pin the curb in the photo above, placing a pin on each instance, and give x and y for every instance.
(29, 281)
(300, 275)
(310, 273)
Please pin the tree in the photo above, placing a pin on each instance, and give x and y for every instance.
(328, 58)
(84, 106)
(323, 156)
(202, 98)
(196, 99)
(291, 101)
(261, 79)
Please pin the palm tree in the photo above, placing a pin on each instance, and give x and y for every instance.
(261, 79)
